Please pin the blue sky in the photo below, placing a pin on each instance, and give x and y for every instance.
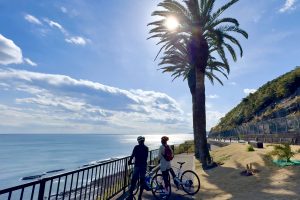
(75, 66)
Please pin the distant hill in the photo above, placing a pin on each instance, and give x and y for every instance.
(277, 98)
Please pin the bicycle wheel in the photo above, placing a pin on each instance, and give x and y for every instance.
(158, 188)
(190, 182)
(137, 185)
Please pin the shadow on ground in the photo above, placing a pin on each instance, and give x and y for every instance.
(271, 182)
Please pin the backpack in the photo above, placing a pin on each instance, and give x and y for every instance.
(168, 153)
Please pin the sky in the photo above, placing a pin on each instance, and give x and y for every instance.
(77, 66)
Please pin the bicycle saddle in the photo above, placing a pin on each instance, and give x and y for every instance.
(150, 167)
(180, 163)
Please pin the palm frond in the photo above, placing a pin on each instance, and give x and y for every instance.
(195, 15)
(222, 9)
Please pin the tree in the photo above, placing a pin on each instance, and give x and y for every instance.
(194, 48)
(283, 152)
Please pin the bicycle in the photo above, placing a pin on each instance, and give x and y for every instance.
(153, 182)
(188, 180)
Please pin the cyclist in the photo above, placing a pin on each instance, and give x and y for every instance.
(140, 155)
(165, 164)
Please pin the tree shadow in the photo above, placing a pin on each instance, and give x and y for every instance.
(271, 182)
(174, 196)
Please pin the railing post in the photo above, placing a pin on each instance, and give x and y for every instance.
(125, 177)
(151, 158)
(42, 189)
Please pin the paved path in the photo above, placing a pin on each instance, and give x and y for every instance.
(176, 194)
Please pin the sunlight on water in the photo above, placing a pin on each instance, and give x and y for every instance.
(153, 141)
(28, 155)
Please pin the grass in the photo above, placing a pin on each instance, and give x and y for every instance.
(220, 160)
(250, 148)
(268, 182)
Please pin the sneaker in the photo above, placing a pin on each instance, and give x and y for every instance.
(165, 191)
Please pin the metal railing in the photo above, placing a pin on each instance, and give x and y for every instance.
(96, 182)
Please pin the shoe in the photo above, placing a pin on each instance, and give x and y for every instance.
(130, 197)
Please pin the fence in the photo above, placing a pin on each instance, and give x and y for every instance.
(274, 130)
(101, 181)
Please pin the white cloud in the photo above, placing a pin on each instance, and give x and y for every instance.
(10, 53)
(212, 118)
(76, 40)
(213, 96)
(208, 105)
(248, 91)
(232, 83)
(30, 62)
(32, 19)
(54, 24)
(288, 5)
(63, 9)
(88, 106)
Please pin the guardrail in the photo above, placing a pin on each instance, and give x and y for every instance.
(96, 182)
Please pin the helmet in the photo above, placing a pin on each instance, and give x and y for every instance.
(164, 138)
(141, 139)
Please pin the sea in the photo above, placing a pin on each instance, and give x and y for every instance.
(23, 155)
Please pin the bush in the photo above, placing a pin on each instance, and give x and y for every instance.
(250, 148)
(186, 147)
(283, 152)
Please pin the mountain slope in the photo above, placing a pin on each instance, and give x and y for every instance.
(277, 98)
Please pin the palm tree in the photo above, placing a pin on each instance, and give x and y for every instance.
(196, 48)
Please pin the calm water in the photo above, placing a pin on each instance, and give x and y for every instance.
(26, 155)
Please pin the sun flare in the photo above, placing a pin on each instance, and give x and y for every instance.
(171, 23)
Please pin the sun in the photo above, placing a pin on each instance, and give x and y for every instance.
(171, 23)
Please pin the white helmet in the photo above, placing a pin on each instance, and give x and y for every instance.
(141, 139)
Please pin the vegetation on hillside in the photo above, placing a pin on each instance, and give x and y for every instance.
(276, 98)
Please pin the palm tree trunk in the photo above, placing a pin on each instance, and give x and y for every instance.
(199, 121)
(198, 52)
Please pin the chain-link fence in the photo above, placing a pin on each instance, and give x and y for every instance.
(274, 130)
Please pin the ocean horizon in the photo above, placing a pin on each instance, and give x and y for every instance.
(23, 155)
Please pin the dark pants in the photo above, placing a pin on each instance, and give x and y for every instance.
(166, 176)
(138, 172)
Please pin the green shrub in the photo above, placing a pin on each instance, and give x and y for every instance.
(283, 152)
(250, 148)
(186, 147)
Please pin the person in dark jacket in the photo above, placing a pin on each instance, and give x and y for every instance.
(140, 155)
